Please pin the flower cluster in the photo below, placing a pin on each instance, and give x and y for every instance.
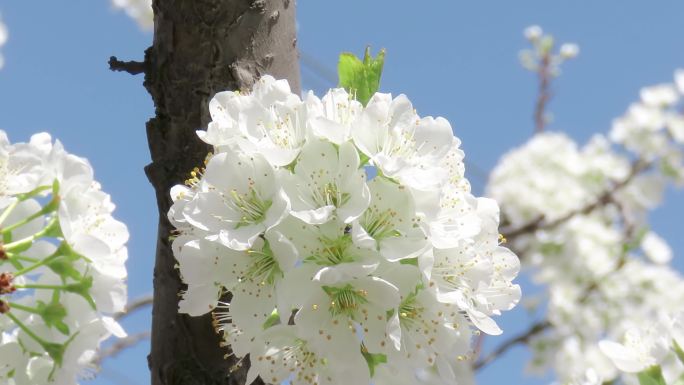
(346, 235)
(588, 237)
(645, 347)
(138, 10)
(61, 264)
(540, 57)
(653, 128)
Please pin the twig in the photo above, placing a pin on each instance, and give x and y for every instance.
(132, 67)
(318, 68)
(539, 223)
(607, 196)
(134, 305)
(520, 338)
(535, 329)
(544, 93)
(121, 345)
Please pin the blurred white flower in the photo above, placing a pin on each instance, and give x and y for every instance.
(656, 248)
(138, 10)
(569, 50)
(533, 32)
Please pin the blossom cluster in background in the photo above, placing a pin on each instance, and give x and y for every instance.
(347, 236)
(62, 270)
(613, 299)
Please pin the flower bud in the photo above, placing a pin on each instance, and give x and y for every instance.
(569, 51)
(533, 33)
(6, 286)
(4, 307)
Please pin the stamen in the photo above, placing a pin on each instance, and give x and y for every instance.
(345, 300)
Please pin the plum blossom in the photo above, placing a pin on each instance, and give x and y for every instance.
(347, 236)
(62, 273)
(588, 240)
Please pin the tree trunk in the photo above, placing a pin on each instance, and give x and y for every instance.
(200, 47)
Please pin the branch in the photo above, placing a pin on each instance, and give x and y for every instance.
(133, 306)
(121, 345)
(524, 337)
(132, 67)
(541, 326)
(607, 196)
(544, 94)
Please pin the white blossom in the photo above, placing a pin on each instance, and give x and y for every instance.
(62, 270)
(588, 240)
(335, 274)
(533, 32)
(569, 50)
(656, 248)
(138, 10)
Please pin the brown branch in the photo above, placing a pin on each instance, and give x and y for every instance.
(607, 196)
(535, 329)
(132, 67)
(541, 326)
(523, 337)
(134, 305)
(121, 345)
(544, 94)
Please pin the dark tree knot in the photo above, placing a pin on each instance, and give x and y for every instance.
(132, 67)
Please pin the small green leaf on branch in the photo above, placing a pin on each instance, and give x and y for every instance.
(361, 78)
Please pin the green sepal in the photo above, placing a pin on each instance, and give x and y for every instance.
(54, 230)
(651, 376)
(62, 262)
(82, 288)
(272, 320)
(409, 261)
(361, 78)
(373, 359)
(678, 351)
(53, 314)
(56, 352)
(63, 266)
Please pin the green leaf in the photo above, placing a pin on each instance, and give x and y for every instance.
(678, 350)
(373, 360)
(651, 376)
(361, 78)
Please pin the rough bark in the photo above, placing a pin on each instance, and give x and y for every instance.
(200, 47)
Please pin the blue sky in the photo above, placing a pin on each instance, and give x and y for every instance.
(457, 59)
